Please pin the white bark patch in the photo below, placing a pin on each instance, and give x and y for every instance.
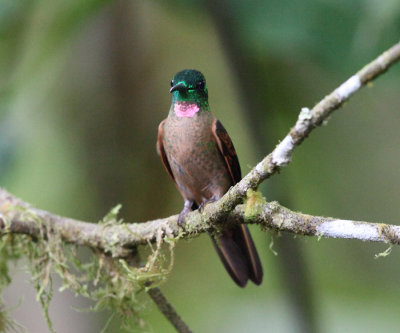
(283, 152)
(381, 61)
(348, 88)
(349, 229)
(305, 113)
(303, 121)
(260, 168)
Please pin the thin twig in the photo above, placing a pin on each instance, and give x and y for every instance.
(168, 310)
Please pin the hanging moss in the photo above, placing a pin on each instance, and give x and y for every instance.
(112, 283)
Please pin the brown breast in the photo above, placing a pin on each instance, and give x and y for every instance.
(198, 167)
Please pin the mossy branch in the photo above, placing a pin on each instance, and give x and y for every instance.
(120, 239)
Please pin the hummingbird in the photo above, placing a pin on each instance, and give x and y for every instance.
(200, 158)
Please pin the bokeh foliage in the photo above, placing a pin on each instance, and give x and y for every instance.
(84, 84)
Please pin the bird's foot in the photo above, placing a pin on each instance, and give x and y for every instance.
(201, 206)
(181, 217)
(186, 209)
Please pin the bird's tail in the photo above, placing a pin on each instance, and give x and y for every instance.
(236, 249)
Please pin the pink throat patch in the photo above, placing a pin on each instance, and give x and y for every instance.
(184, 109)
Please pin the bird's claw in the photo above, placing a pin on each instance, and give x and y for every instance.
(186, 209)
(202, 205)
(181, 218)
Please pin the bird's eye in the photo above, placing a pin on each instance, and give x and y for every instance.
(172, 83)
(200, 85)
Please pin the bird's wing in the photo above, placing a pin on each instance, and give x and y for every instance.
(230, 241)
(227, 150)
(161, 151)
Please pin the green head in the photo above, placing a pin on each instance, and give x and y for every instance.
(189, 86)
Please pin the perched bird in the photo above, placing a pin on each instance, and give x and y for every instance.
(198, 154)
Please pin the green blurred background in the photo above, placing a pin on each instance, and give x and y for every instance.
(84, 85)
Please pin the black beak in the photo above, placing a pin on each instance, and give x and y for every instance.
(180, 87)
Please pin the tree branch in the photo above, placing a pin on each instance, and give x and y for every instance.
(119, 238)
(17, 216)
(274, 216)
(168, 310)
